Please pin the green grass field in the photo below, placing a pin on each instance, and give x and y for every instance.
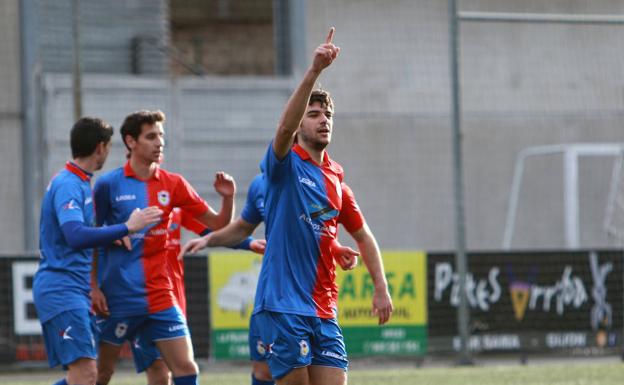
(572, 373)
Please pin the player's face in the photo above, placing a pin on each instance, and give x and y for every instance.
(316, 126)
(150, 144)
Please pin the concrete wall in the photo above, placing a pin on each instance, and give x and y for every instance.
(523, 85)
(11, 225)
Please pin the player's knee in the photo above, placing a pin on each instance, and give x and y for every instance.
(185, 368)
(87, 374)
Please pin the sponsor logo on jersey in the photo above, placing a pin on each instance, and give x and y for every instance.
(65, 334)
(333, 355)
(176, 327)
(71, 205)
(307, 182)
(125, 197)
(164, 198)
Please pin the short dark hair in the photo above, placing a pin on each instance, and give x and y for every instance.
(134, 122)
(322, 96)
(86, 134)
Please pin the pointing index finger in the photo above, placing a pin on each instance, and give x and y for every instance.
(330, 35)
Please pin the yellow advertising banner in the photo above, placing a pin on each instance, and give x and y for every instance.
(233, 279)
(406, 272)
(234, 275)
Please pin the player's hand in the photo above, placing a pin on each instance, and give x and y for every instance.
(193, 246)
(224, 184)
(346, 257)
(98, 301)
(325, 53)
(142, 218)
(382, 305)
(258, 246)
(124, 242)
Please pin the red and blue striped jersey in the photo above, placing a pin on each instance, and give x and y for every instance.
(302, 204)
(138, 281)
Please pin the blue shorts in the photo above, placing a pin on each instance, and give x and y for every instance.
(144, 352)
(257, 349)
(293, 341)
(164, 325)
(70, 336)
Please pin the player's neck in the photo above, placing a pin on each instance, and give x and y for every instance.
(315, 153)
(88, 164)
(143, 169)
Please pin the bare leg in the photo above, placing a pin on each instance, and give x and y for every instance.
(178, 355)
(323, 375)
(297, 376)
(108, 355)
(82, 371)
(158, 373)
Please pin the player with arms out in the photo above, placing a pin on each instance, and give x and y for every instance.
(67, 236)
(136, 283)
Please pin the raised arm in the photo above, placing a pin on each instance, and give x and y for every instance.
(290, 120)
(226, 187)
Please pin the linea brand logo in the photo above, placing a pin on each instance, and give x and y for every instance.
(176, 327)
(307, 182)
(125, 197)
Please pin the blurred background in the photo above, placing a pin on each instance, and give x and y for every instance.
(222, 70)
(542, 109)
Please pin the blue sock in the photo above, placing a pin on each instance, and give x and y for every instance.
(255, 381)
(186, 380)
(61, 382)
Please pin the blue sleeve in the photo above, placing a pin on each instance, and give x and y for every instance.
(102, 203)
(251, 213)
(273, 168)
(69, 203)
(80, 236)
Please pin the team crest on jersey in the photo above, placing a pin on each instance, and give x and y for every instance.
(304, 348)
(260, 348)
(164, 198)
(121, 329)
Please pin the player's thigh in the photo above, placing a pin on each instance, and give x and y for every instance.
(323, 375)
(168, 330)
(108, 354)
(286, 339)
(328, 347)
(297, 376)
(70, 336)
